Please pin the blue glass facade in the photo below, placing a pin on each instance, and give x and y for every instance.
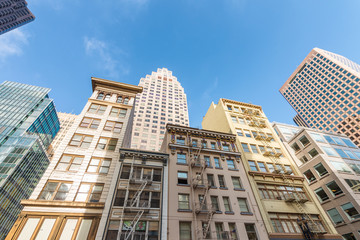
(28, 124)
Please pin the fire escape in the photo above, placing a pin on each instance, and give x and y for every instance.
(306, 223)
(133, 205)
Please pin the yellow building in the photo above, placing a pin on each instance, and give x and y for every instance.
(288, 207)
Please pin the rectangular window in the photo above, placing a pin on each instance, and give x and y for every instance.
(182, 177)
(236, 182)
(354, 184)
(320, 169)
(321, 194)
(207, 161)
(329, 151)
(213, 145)
(97, 109)
(335, 216)
(113, 126)
(233, 119)
(334, 188)
(181, 158)
(309, 176)
(254, 148)
(55, 190)
(313, 152)
(89, 192)
(99, 165)
(92, 123)
(231, 164)
(341, 166)
(79, 140)
(350, 211)
(304, 141)
(118, 112)
(245, 147)
(262, 167)
(185, 230)
(243, 205)
(253, 166)
(221, 181)
(251, 231)
(107, 143)
(217, 162)
(69, 162)
(180, 141)
(215, 203)
(211, 181)
(220, 234)
(184, 203)
(227, 205)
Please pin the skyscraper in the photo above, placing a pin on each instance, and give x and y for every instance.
(74, 197)
(162, 101)
(324, 91)
(287, 205)
(13, 14)
(330, 163)
(28, 124)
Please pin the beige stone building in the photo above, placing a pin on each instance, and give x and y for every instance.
(162, 101)
(72, 199)
(331, 164)
(209, 194)
(288, 206)
(324, 91)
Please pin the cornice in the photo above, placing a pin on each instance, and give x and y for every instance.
(99, 82)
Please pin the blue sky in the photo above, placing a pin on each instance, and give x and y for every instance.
(238, 49)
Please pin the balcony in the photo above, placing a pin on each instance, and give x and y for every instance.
(204, 208)
(198, 163)
(200, 183)
(135, 180)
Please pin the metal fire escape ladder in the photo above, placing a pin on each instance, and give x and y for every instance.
(314, 229)
(130, 203)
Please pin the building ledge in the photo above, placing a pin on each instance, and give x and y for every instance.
(274, 175)
(60, 204)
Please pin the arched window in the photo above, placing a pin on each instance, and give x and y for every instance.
(107, 97)
(100, 96)
(126, 100)
(119, 99)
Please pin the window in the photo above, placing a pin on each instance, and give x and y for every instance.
(350, 211)
(213, 145)
(100, 96)
(185, 230)
(220, 234)
(349, 236)
(227, 205)
(89, 192)
(254, 148)
(262, 167)
(354, 184)
(309, 176)
(329, 151)
(180, 141)
(97, 109)
(119, 99)
(90, 123)
(194, 143)
(251, 231)
(181, 158)
(221, 181)
(334, 188)
(271, 167)
(253, 166)
(184, 203)
(215, 203)
(113, 126)
(79, 140)
(239, 132)
(304, 141)
(247, 133)
(321, 194)
(320, 169)
(226, 147)
(243, 205)
(349, 143)
(231, 164)
(217, 162)
(182, 178)
(211, 181)
(107, 143)
(118, 112)
(313, 152)
(233, 119)
(245, 147)
(317, 137)
(69, 162)
(99, 165)
(295, 146)
(236, 182)
(335, 216)
(304, 159)
(233, 231)
(207, 161)
(54, 190)
(340, 166)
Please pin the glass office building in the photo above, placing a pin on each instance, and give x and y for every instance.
(28, 124)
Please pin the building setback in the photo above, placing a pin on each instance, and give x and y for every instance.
(331, 164)
(28, 124)
(13, 14)
(162, 101)
(287, 205)
(73, 198)
(208, 191)
(324, 91)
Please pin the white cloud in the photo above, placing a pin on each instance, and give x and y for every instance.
(12, 43)
(101, 50)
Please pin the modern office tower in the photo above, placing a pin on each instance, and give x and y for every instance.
(209, 194)
(324, 91)
(13, 14)
(162, 101)
(28, 123)
(73, 198)
(331, 164)
(287, 205)
(299, 121)
(140, 201)
(66, 121)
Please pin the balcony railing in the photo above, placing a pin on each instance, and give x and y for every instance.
(204, 208)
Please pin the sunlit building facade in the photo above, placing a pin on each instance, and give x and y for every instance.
(289, 208)
(324, 91)
(331, 165)
(28, 124)
(162, 101)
